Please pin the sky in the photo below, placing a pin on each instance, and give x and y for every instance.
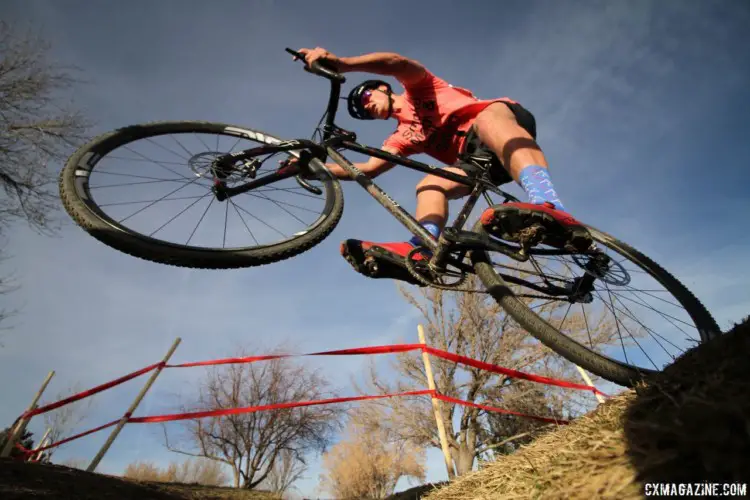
(641, 111)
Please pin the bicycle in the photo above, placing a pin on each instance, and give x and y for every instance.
(236, 176)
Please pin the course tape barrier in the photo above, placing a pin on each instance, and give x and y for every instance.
(90, 392)
(397, 348)
(282, 406)
(385, 349)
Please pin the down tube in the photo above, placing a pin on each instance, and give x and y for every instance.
(382, 197)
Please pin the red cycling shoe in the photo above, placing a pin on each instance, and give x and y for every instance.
(559, 229)
(380, 260)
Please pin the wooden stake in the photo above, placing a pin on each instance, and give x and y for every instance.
(133, 406)
(21, 425)
(588, 381)
(42, 442)
(436, 408)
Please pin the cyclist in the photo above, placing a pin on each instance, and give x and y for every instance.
(444, 121)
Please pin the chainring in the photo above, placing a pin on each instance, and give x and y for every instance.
(429, 278)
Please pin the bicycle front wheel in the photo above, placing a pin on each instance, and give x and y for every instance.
(146, 190)
(635, 319)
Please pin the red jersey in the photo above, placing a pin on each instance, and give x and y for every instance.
(433, 112)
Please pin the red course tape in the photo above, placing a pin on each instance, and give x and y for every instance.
(386, 349)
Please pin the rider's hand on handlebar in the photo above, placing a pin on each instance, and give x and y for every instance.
(292, 162)
(322, 55)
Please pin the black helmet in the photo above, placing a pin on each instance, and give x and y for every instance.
(354, 101)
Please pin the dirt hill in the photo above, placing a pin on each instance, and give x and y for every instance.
(24, 480)
(690, 424)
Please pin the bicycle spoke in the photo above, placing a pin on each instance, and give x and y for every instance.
(565, 316)
(653, 332)
(199, 221)
(202, 142)
(660, 313)
(261, 221)
(145, 161)
(586, 321)
(619, 323)
(284, 209)
(136, 184)
(156, 163)
(646, 292)
(155, 202)
(150, 201)
(542, 304)
(190, 155)
(243, 221)
(231, 150)
(226, 218)
(167, 149)
(181, 212)
(181, 179)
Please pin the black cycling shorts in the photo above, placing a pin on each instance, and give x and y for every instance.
(475, 147)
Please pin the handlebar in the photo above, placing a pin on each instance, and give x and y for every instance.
(318, 68)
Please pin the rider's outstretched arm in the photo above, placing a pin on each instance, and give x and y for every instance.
(383, 63)
(371, 168)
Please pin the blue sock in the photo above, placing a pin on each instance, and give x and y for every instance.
(538, 186)
(431, 227)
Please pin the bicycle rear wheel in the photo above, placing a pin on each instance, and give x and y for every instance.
(589, 334)
(169, 165)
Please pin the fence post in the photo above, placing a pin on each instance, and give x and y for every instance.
(17, 431)
(587, 379)
(436, 407)
(134, 405)
(41, 443)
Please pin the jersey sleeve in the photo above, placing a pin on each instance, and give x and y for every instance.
(428, 82)
(400, 144)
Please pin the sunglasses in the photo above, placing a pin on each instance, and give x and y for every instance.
(366, 96)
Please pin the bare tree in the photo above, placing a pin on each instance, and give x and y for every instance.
(367, 464)
(36, 129)
(251, 443)
(8, 284)
(286, 471)
(473, 325)
(65, 419)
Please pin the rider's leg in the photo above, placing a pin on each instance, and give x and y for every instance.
(433, 193)
(498, 128)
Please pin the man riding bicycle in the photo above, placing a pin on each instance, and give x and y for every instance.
(444, 121)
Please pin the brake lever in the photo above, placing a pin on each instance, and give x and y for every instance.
(309, 187)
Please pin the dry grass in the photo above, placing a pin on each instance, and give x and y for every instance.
(690, 424)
